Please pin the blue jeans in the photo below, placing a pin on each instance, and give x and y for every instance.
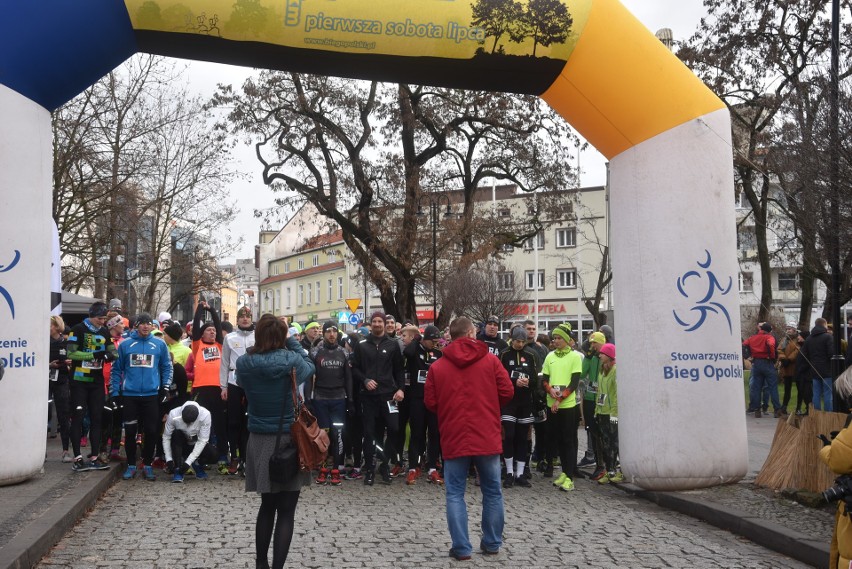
(823, 391)
(763, 374)
(455, 479)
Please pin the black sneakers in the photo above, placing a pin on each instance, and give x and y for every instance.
(369, 478)
(522, 482)
(384, 472)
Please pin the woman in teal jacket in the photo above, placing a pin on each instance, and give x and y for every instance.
(264, 374)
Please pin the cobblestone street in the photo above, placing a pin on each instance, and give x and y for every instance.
(211, 524)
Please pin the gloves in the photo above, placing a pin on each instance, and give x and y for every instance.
(613, 420)
(170, 467)
(110, 356)
(109, 403)
(164, 394)
(182, 468)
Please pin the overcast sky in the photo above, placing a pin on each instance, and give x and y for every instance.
(682, 16)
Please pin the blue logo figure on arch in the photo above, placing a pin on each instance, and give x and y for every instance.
(5, 293)
(706, 304)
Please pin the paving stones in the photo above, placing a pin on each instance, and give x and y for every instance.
(211, 524)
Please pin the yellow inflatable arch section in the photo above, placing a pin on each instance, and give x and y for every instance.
(680, 398)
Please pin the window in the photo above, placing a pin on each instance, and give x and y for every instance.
(746, 282)
(288, 297)
(301, 264)
(301, 295)
(505, 281)
(740, 199)
(566, 237)
(310, 294)
(529, 277)
(277, 304)
(329, 291)
(275, 270)
(566, 278)
(339, 288)
(316, 260)
(539, 242)
(746, 240)
(788, 281)
(286, 266)
(507, 247)
(504, 213)
(318, 292)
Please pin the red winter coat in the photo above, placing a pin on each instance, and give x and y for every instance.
(466, 389)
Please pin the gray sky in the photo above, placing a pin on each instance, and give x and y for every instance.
(682, 16)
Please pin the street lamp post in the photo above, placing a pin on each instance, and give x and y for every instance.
(435, 201)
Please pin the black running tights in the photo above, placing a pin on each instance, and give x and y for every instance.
(280, 505)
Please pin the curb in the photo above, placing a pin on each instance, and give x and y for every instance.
(27, 548)
(762, 532)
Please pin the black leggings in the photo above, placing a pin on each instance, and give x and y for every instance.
(147, 410)
(237, 407)
(280, 505)
(86, 396)
(377, 420)
(60, 392)
(210, 397)
(562, 438)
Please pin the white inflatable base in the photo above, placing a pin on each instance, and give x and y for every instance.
(680, 381)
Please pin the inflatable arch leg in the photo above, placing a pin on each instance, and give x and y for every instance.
(26, 148)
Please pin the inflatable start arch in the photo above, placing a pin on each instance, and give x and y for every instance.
(666, 135)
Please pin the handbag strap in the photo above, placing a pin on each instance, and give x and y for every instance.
(284, 408)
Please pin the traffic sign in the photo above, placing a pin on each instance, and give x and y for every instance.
(354, 319)
(353, 304)
(343, 317)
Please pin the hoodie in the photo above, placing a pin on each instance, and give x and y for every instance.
(466, 388)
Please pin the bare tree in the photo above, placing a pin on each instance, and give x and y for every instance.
(366, 154)
(475, 292)
(137, 163)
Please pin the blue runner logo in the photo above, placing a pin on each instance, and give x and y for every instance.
(707, 303)
(5, 293)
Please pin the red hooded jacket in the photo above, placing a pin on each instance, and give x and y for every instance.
(466, 389)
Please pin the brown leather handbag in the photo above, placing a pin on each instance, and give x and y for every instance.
(305, 432)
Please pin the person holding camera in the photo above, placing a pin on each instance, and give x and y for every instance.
(186, 440)
(263, 373)
(837, 454)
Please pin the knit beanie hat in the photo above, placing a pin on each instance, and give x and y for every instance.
(174, 331)
(609, 351)
(563, 331)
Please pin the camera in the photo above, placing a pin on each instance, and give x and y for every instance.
(841, 490)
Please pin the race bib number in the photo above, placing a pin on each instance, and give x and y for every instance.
(94, 364)
(601, 399)
(516, 375)
(407, 379)
(421, 376)
(210, 354)
(141, 360)
(54, 374)
(393, 407)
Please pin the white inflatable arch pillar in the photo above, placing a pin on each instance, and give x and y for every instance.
(667, 137)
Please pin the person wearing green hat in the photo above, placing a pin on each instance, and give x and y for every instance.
(561, 371)
(310, 336)
(589, 386)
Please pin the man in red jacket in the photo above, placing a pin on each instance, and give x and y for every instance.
(466, 389)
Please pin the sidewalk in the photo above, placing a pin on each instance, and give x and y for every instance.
(760, 515)
(34, 515)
